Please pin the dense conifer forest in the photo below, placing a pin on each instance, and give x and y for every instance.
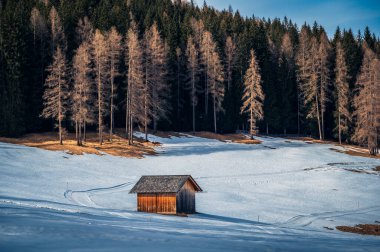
(164, 65)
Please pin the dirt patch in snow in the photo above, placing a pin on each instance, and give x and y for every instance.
(167, 134)
(356, 153)
(349, 149)
(364, 229)
(306, 139)
(377, 169)
(236, 138)
(117, 147)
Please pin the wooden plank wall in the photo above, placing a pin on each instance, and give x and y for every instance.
(156, 203)
(186, 199)
(147, 203)
(166, 203)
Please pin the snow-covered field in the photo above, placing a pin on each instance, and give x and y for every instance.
(280, 195)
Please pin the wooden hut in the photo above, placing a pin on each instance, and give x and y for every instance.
(166, 194)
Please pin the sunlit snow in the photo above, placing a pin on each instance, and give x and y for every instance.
(281, 194)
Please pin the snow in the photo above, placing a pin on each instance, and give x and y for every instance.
(279, 195)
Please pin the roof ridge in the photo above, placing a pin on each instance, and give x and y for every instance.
(162, 184)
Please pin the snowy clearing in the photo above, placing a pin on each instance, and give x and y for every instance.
(280, 194)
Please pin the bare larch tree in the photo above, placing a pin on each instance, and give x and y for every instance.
(324, 78)
(81, 96)
(84, 30)
(216, 79)
(58, 37)
(178, 53)
(101, 72)
(367, 102)
(286, 65)
(38, 25)
(193, 71)
(253, 97)
(135, 80)
(114, 50)
(56, 91)
(230, 51)
(207, 48)
(198, 29)
(148, 80)
(310, 85)
(303, 69)
(156, 53)
(40, 34)
(342, 93)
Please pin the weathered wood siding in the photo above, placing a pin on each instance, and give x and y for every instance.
(186, 199)
(147, 203)
(156, 203)
(166, 203)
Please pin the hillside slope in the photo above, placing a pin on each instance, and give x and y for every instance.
(281, 194)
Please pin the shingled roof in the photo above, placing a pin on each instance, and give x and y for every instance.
(163, 184)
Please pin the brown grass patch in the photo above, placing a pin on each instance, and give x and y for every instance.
(350, 149)
(309, 139)
(355, 153)
(364, 229)
(236, 138)
(360, 154)
(167, 134)
(248, 141)
(118, 147)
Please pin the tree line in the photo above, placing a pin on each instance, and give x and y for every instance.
(176, 66)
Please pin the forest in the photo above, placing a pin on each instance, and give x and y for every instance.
(167, 65)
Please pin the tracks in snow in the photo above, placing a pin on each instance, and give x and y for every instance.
(83, 198)
(306, 220)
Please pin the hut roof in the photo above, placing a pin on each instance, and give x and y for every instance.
(163, 184)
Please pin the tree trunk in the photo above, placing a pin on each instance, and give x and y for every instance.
(146, 118)
(193, 119)
(251, 123)
(99, 108)
(206, 91)
(178, 88)
(215, 116)
(76, 131)
(155, 98)
(111, 115)
(193, 100)
(84, 132)
(298, 112)
(126, 117)
(80, 134)
(128, 107)
(322, 123)
(339, 128)
(60, 129)
(146, 104)
(318, 118)
(131, 130)
(129, 117)
(60, 111)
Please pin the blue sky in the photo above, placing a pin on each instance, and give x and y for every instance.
(353, 14)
